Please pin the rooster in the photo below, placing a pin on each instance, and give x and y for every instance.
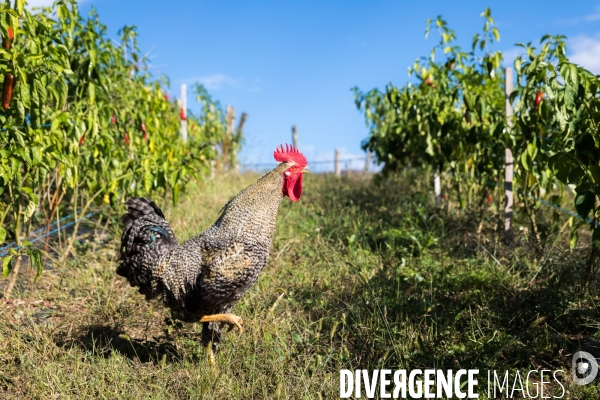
(201, 279)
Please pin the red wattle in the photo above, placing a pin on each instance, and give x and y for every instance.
(294, 187)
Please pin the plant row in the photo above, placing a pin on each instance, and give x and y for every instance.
(451, 117)
(84, 123)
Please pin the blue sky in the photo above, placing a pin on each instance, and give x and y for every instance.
(287, 62)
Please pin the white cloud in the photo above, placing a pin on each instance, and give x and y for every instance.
(595, 16)
(585, 51)
(591, 17)
(216, 81)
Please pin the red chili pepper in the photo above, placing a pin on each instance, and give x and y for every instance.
(126, 139)
(166, 97)
(8, 42)
(539, 96)
(113, 119)
(7, 90)
(430, 82)
(182, 115)
(489, 199)
(81, 140)
(145, 136)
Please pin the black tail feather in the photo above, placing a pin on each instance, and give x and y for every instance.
(137, 207)
(146, 237)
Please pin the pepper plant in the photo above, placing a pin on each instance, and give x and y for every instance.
(447, 117)
(451, 117)
(87, 125)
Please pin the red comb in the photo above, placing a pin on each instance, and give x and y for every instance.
(289, 153)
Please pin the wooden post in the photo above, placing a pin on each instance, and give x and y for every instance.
(230, 115)
(240, 127)
(184, 134)
(338, 171)
(368, 161)
(226, 145)
(508, 160)
(437, 187)
(294, 136)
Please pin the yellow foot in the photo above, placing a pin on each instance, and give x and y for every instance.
(211, 354)
(230, 319)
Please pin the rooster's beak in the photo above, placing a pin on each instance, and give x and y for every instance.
(305, 170)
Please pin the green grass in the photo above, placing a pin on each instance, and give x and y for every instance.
(360, 276)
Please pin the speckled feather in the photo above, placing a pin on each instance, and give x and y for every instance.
(209, 273)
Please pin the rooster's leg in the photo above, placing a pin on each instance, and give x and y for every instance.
(211, 353)
(211, 335)
(230, 319)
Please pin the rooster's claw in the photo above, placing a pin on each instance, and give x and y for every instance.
(229, 319)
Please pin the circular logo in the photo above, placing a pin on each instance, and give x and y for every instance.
(584, 368)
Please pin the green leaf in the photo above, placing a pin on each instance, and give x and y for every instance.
(573, 74)
(93, 55)
(40, 90)
(21, 112)
(148, 178)
(532, 150)
(64, 54)
(496, 34)
(2, 234)
(517, 64)
(175, 194)
(63, 91)
(35, 259)
(19, 6)
(174, 178)
(595, 171)
(562, 172)
(584, 203)
(92, 92)
(31, 206)
(475, 41)
(427, 27)
(574, 239)
(569, 98)
(24, 94)
(6, 266)
(525, 161)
